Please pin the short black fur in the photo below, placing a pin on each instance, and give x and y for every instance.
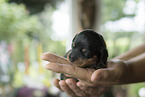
(88, 50)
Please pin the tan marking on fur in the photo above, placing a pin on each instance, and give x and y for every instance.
(85, 62)
(74, 45)
(84, 50)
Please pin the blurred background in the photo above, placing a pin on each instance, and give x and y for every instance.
(29, 28)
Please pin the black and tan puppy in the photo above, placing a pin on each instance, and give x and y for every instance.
(88, 51)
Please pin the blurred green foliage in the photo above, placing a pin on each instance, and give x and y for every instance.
(120, 41)
(19, 30)
(15, 22)
(133, 90)
(113, 10)
(16, 25)
(37, 6)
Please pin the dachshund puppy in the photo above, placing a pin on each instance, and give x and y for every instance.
(88, 51)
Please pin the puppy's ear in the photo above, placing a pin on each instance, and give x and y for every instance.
(74, 38)
(103, 57)
(103, 41)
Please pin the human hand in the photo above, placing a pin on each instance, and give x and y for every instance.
(62, 65)
(75, 89)
(116, 72)
(70, 86)
(91, 83)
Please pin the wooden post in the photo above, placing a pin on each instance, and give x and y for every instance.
(39, 53)
(27, 61)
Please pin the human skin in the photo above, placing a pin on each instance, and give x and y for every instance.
(125, 69)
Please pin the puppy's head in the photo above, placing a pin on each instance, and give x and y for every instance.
(88, 48)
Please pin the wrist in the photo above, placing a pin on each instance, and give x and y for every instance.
(126, 74)
(122, 71)
(131, 73)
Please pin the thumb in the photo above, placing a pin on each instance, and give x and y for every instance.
(106, 74)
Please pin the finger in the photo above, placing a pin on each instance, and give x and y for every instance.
(93, 91)
(56, 84)
(96, 75)
(77, 72)
(81, 86)
(66, 88)
(98, 91)
(85, 84)
(72, 84)
(54, 58)
(87, 89)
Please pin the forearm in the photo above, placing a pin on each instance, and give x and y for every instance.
(132, 53)
(136, 69)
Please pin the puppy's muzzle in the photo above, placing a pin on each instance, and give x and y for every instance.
(70, 57)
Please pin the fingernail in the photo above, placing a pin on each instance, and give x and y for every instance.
(79, 84)
(47, 67)
(63, 85)
(42, 57)
(70, 84)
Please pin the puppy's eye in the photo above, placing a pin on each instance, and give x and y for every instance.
(84, 50)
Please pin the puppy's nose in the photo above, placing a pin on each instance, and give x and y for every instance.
(71, 58)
